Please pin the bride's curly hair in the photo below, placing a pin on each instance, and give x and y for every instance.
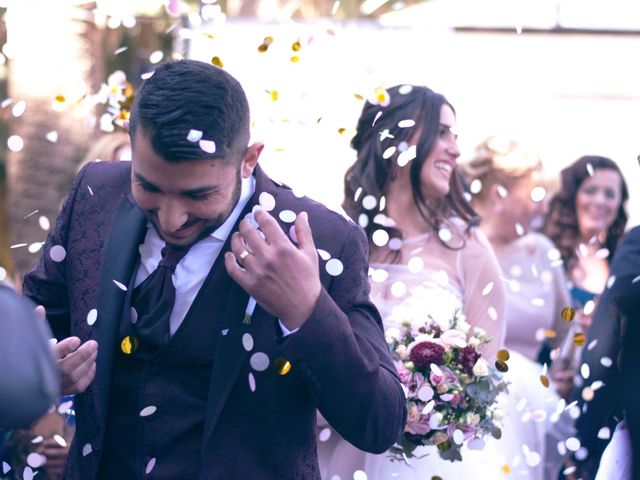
(378, 131)
(561, 222)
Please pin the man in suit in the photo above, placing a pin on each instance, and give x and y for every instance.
(617, 397)
(217, 372)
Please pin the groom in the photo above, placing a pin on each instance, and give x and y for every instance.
(197, 325)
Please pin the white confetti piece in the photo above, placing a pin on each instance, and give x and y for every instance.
(194, 135)
(35, 460)
(458, 437)
(398, 289)
(444, 234)
(324, 435)
(252, 382)
(267, 201)
(590, 169)
(380, 237)
(604, 433)
(150, 464)
(57, 253)
(37, 439)
(611, 281)
(146, 411)
(247, 342)
(134, 315)
(425, 393)
(146, 76)
(52, 136)
(59, 439)
(388, 153)
(369, 202)
(606, 362)
(5, 468)
(487, 289)
(92, 316)
(120, 285)
(90, 191)
(359, 475)
(28, 474)
(324, 254)
(156, 57)
(406, 123)
(44, 223)
(334, 267)
(19, 108)
(476, 186)
(573, 444)
(405, 157)
(208, 146)
(415, 264)
(118, 51)
(259, 361)
(86, 449)
(502, 191)
(287, 216)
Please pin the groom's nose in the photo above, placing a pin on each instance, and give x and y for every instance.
(172, 215)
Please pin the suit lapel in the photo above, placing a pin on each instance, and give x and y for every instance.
(119, 260)
(230, 352)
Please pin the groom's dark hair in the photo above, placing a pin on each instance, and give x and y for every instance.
(190, 95)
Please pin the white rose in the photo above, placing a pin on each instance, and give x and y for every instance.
(480, 369)
(474, 342)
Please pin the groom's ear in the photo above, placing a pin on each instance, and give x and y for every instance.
(250, 159)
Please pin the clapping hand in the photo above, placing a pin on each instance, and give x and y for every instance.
(281, 276)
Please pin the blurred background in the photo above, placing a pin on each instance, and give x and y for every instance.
(557, 75)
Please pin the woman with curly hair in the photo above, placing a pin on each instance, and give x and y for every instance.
(585, 220)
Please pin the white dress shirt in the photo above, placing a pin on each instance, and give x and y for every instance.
(194, 267)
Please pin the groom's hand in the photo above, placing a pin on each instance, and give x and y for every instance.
(282, 277)
(77, 364)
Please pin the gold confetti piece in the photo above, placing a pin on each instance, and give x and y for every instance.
(503, 355)
(60, 99)
(358, 96)
(296, 46)
(208, 35)
(502, 366)
(588, 394)
(506, 469)
(550, 333)
(282, 366)
(268, 40)
(263, 48)
(217, 62)
(568, 314)
(246, 320)
(544, 380)
(295, 59)
(274, 95)
(579, 339)
(129, 345)
(342, 130)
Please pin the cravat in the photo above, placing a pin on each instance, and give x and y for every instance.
(153, 299)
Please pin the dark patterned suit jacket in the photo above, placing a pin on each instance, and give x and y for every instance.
(339, 358)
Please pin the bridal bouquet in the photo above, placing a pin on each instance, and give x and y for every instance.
(451, 389)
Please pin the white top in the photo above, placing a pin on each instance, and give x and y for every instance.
(536, 293)
(193, 268)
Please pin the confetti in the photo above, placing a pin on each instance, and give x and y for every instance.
(44, 223)
(15, 143)
(378, 115)
(247, 342)
(59, 439)
(52, 136)
(128, 345)
(406, 123)
(252, 382)
(324, 435)
(150, 464)
(590, 169)
(282, 366)
(359, 475)
(544, 380)
(57, 253)
(28, 474)
(342, 130)
(295, 59)
(568, 314)
(217, 62)
(503, 355)
(296, 46)
(287, 216)
(259, 361)
(538, 194)
(398, 289)
(405, 157)
(587, 394)
(501, 366)
(208, 146)
(19, 108)
(86, 449)
(487, 289)
(579, 339)
(118, 51)
(194, 135)
(334, 267)
(506, 469)
(120, 285)
(380, 237)
(445, 234)
(5, 468)
(502, 191)
(92, 316)
(18, 245)
(147, 411)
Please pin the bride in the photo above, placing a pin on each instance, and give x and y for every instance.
(427, 257)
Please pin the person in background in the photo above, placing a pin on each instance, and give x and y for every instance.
(585, 220)
(508, 191)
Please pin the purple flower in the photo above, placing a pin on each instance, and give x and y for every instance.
(425, 353)
(468, 358)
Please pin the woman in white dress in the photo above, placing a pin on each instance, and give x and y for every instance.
(427, 258)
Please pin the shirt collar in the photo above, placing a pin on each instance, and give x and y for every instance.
(246, 191)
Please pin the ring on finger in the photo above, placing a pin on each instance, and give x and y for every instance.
(244, 254)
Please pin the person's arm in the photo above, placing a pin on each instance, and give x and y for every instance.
(29, 381)
(341, 353)
(602, 357)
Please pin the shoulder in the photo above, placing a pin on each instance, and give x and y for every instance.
(101, 173)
